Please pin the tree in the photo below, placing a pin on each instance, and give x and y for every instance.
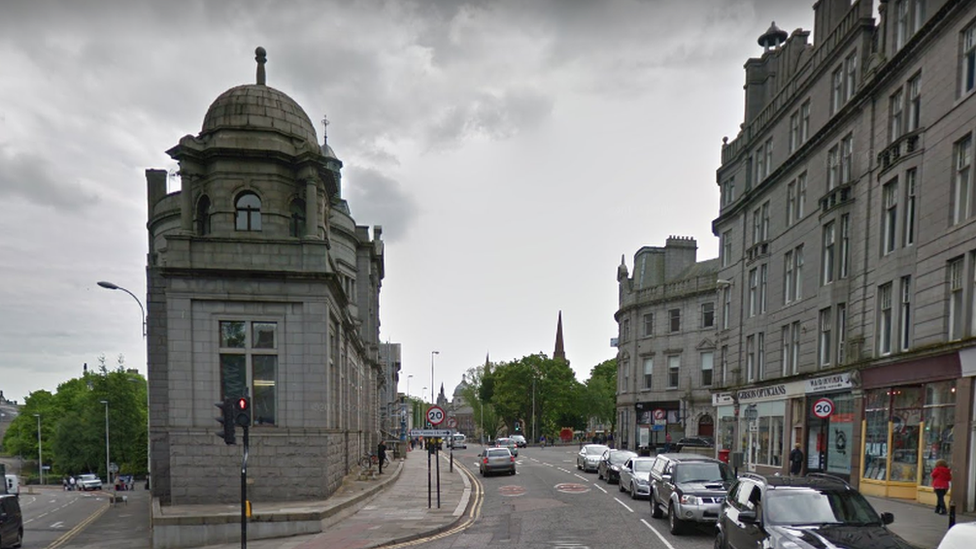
(601, 393)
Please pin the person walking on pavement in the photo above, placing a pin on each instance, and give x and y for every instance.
(381, 454)
(796, 460)
(667, 442)
(941, 476)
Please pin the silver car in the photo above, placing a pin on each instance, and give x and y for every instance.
(496, 460)
(635, 477)
(589, 456)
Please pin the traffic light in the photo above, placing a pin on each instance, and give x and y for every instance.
(226, 418)
(242, 411)
(518, 427)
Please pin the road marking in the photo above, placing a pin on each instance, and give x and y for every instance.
(564, 470)
(57, 524)
(653, 529)
(66, 537)
(581, 476)
(600, 488)
(624, 504)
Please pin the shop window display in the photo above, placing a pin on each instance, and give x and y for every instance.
(876, 435)
(906, 418)
(940, 401)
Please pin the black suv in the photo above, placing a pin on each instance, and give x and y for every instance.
(11, 521)
(689, 488)
(817, 510)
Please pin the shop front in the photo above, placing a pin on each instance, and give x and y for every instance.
(830, 419)
(655, 420)
(753, 425)
(910, 415)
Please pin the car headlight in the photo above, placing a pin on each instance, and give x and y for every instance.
(641, 481)
(690, 500)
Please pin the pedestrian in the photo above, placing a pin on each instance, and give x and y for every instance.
(667, 442)
(796, 460)
(941, 477)
(381, 454)
(71, 483)
(64, 483)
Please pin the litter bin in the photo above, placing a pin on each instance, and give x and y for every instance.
(723, 455)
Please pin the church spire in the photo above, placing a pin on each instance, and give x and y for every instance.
(559, 353)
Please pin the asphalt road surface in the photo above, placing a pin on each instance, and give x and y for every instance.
(51, 513)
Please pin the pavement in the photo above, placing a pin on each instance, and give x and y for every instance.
(393, 509)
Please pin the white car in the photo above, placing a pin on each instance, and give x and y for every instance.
(589, 456)
(89, 481)
(960, 536)
(459, 441)
(635, 477)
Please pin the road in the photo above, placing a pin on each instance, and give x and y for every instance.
(550, 504)
(51, 513)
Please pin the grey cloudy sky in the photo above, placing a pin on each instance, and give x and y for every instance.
(511, 150)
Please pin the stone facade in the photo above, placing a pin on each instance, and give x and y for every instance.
(260, 283)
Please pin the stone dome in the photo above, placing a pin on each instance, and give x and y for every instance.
(259, 107)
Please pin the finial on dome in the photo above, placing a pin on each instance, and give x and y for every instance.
(325, 129)
(261, 56)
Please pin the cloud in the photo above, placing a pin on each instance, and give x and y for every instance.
(33, 178)
(377, 199)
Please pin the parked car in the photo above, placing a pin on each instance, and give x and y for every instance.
(588, 458)
(496, 460)
(508, 442)
(459, 441)
(814, 511)
(611, 462)
(12, 482)
(89, 481)
(689, 488)
(635, 477)
(960, 536)
(519, 440)
(11, 521)
(697, 442)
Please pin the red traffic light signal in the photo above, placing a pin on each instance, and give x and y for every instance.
(242, 406)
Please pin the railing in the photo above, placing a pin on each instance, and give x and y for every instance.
(901, 147)
(836, 196)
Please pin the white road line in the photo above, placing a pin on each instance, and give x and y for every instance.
(624, 504)
(600, 488)
(666, 542)
(564, 470)
(57, 524)
(581, 477)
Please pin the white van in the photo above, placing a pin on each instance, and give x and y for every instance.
(13, 484)
(459, 441)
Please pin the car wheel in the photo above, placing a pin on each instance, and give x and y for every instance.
(513, 471)
(599, 475)
(620, 486)
(655, 510)
(633, 492)
(675, 525)
(720, 541)
(19, 540)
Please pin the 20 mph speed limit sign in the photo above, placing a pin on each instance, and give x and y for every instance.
(823, 408)
(435, 415)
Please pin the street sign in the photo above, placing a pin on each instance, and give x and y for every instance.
(442, 433)
(452, 422)
(823, 408)
(751, 413)
(113, 468)
(660, 414)
(435, 415)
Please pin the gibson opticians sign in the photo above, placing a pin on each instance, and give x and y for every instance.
(762, 393)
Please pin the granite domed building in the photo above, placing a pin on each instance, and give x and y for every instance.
(261, 283)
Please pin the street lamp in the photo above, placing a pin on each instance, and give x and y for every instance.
(432, 353)
(40, 460)
(111, 286)
(408, 385)
(108, 473)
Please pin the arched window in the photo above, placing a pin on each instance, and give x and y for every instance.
(297, 218)
(248, 212)
(706, 426)
(203, 216)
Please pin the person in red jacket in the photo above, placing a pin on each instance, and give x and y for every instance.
(941, 476)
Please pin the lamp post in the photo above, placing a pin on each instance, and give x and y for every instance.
(432, 353)
(108, 473)
(408, 384)
(112, 286)
(40, 460)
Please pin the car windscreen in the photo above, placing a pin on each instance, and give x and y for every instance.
(619, 458)
(595, 450)
(644, 465)
(703, 472)
(499, 452)
(818, 507)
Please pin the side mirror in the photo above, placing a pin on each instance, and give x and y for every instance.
(666, 477)
(748, 516)
(887, 518)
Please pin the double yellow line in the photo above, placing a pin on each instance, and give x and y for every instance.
(473, 513)
(66, 537)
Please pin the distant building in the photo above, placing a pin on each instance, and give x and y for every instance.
(260, 283)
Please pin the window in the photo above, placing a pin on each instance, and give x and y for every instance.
(805, 121)
(674, 365)
(760, 165)
(760, 354)
(836, 90)
(847, 159)
(905, 316)
(962, 197)
(768, 150)
(785, 351)
(726, 306)
(648, 324)
(884, 319)
(788, 277)
(850, 70)
(726, 248)
(901, 23)
(954, 276)
(753, 291)
(793, 275)
(763, 276)
(841, 331)
(750, 358)
(764, 222)
(725, 364)
(910, 178)
(845, 244)
(798, 272)
(248, 212)
(914, 117)
(648, 371)
(790, 202)
(801, 195)
(826, 320)
(249, 358)
(674, 316)
(890, 197)
(706, 366)
(728, 191)
(795, 358)
(203, 216)
(833, 168)
(625, 330)
(794, 131)
(895, 108)
(297, 218)
(827, 273)
(757, 226)
(968, 69)
(708, 315)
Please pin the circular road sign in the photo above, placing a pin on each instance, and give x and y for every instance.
(660, 414)
(452, 422)
(511, 490)
(823, 408)
(571, 488)
(435, 415)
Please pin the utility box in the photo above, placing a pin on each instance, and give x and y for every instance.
(737, 459)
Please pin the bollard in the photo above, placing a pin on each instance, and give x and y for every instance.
(952, 514)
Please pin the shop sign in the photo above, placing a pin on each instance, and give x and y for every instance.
(722, 399)
(772, 392)
(829, 383)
